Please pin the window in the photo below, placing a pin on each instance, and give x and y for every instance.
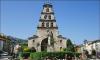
(49, 16)
(60, 41)
(33, 41)
(45, 17)
(43, 24)
(52, 24)
(47, 10)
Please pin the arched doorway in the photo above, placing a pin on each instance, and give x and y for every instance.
(44, 44)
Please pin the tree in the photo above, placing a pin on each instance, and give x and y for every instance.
(70, 46)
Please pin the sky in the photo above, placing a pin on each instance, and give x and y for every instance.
(77, 20)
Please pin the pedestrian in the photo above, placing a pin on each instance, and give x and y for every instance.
(16, 50)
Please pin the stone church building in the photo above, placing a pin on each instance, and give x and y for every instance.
(47, 37)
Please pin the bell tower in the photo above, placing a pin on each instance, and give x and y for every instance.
(47, 37)
(47, 21)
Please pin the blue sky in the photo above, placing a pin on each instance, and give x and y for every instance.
(77, 20)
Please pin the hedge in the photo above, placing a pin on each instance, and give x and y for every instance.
(42, 55)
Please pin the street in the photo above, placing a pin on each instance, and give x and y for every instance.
(5, 57)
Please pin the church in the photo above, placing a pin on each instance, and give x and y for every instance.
(47, 37)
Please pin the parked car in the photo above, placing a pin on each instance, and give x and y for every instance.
(5, 56)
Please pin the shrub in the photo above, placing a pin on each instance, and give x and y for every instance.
(42, 55)
(39, 55)
(36, 56)
(26, 49)
(24, 55)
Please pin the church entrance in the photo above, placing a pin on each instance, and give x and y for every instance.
(44, 44)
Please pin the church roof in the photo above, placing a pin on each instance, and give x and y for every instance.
(60, 36)
(33, 37)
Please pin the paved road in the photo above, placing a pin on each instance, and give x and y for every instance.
(5, 57)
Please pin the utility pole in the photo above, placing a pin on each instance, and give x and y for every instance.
(75, 51)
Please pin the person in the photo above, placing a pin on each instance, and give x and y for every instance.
(16, 50)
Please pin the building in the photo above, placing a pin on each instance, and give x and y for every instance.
(79, 48)
(47, 37)
(7, 43)
(92, 45)
(92, 48)
(1, 42)
(4, 43)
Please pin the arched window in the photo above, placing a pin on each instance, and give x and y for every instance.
(60, 41)
(45, 17)
(42, 24)
(52, 24)
(47, 9)
(49, 16)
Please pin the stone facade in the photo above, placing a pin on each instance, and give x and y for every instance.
(92, 45)
(47, 37)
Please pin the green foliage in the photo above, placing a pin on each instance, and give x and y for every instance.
(70, 46)
(24, 45)
(39, 55)
(36, 56)
(24, 55)
(26, 49)
(42, 55)
(20, 56)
